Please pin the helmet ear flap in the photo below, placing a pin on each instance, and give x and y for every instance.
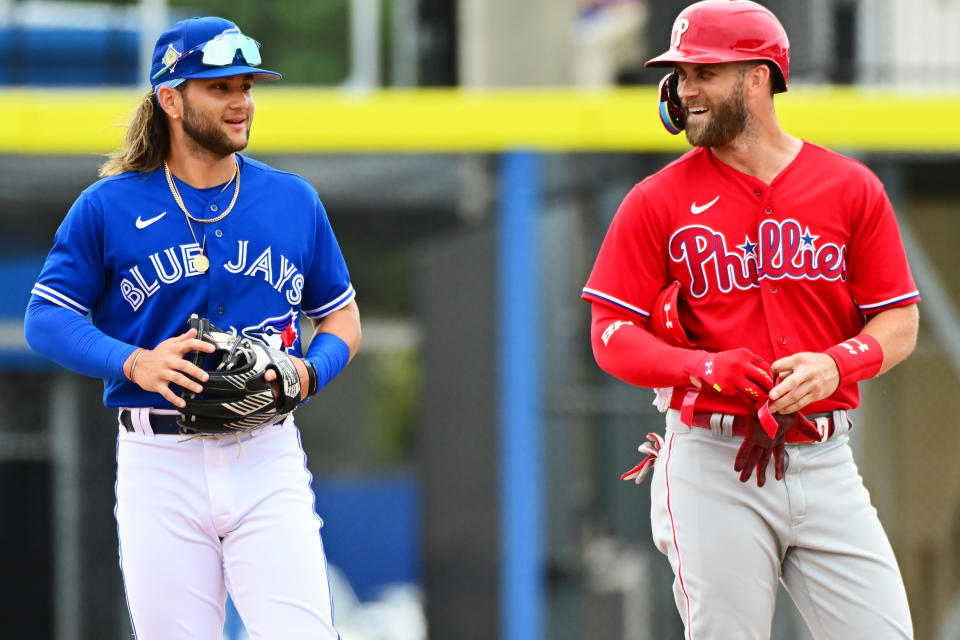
(671, 113)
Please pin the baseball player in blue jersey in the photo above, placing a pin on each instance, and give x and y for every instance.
(181, 224)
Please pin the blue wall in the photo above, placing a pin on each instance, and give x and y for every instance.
(371, 529)
(17, 275)
(58, 57)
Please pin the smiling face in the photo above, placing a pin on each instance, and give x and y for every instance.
(714, 102)
(218, 112)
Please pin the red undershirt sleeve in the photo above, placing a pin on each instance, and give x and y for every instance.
(624, 348)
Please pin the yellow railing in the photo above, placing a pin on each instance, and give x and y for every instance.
(307, 120)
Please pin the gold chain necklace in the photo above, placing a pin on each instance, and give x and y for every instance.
(200, 262)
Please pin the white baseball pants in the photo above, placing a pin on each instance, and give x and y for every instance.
(200, 517)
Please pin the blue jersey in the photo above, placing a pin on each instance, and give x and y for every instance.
(124, 255)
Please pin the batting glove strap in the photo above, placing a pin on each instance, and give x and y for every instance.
(859, 358)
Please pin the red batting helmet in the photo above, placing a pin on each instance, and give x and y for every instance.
(715, 31)
(665, 317)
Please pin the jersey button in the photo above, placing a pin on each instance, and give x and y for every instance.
(218, 233)
(214, 208)
(774, 289)
(783, 339)
(758, 193)
(221, 310)
(768, 211)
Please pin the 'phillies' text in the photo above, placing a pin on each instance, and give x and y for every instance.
(783, 250)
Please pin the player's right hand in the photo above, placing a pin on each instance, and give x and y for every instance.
(732, 372)
(157, 368)
(801, 379)
(271, 377)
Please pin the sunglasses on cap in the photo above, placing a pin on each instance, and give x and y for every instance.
(220, 51)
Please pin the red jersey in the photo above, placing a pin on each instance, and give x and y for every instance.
(792, 266)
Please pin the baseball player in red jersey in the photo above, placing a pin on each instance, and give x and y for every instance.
(793, 287)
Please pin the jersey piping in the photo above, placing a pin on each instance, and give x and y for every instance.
(59, 299)
(913, 296)
(593, 293)
(337, 303)
(676, 544)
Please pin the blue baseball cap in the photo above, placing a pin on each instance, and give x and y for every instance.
(207, 47)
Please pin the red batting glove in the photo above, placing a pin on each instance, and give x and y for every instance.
(732, 372)
(759, 446)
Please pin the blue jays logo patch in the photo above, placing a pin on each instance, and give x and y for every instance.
(170, 56)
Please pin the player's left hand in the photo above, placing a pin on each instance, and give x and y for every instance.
(802, 378)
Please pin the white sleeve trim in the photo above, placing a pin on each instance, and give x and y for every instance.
(58, 298)
(616, 301)
(337, 303)
(907, 296)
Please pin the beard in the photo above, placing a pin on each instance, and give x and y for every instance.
(726, 121)
(205, 132)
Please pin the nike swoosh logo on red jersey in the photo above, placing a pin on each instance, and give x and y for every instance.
(143, 224)
(695, 209)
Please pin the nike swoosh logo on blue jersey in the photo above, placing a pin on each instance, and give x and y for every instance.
(694, 209)
(143, 224)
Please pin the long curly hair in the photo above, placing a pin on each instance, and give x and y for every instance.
(146, 143)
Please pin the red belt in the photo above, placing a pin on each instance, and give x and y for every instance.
(703, 419)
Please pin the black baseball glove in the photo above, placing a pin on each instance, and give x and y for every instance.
(237, 398)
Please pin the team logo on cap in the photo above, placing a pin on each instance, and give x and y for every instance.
(170, 56)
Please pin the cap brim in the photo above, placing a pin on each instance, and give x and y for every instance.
(692, 56)
(660, 61)
(234, 70)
